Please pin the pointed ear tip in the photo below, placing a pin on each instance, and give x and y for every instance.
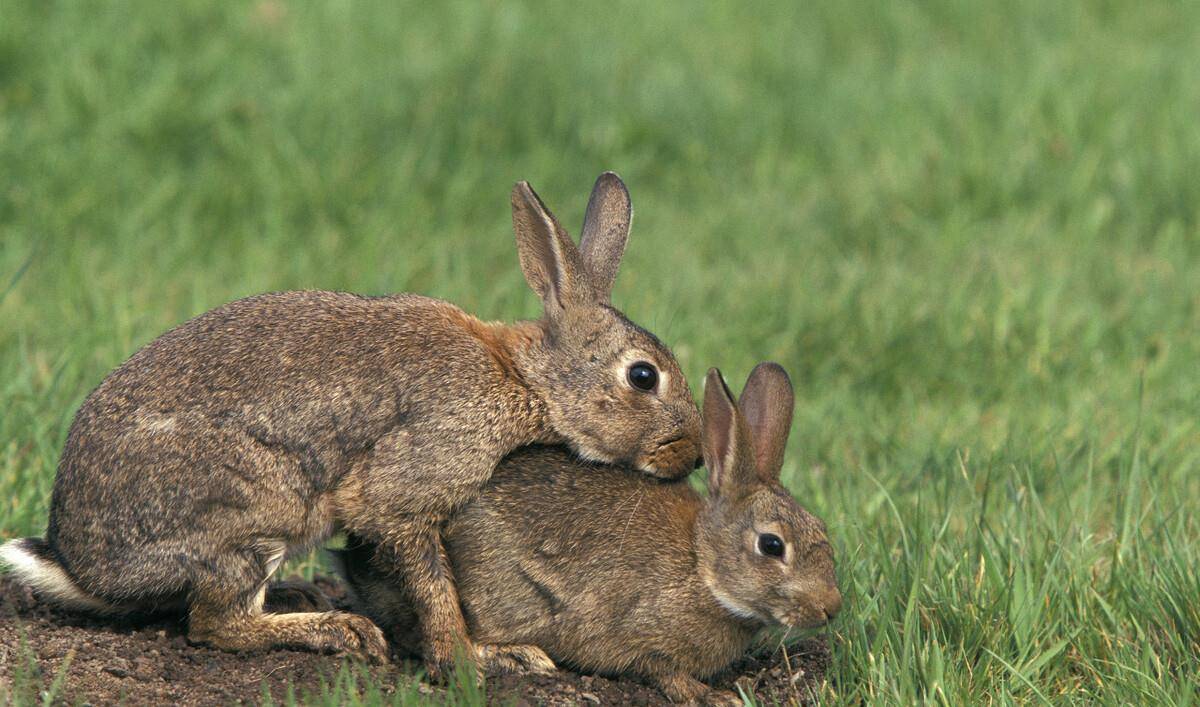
(523, 195)
(716, 389)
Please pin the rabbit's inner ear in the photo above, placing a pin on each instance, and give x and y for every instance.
(549, 259)
(606, 231)
(720, 432)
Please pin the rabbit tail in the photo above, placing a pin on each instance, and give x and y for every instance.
(34, 563)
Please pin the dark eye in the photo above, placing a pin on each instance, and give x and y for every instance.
(770, 545)
(643, 376)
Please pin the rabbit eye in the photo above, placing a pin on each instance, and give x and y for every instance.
(770, 545)
(643, 376)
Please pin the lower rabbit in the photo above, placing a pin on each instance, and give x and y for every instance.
(609, 571)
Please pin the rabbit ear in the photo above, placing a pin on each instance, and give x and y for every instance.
(724, 437)
(549, 259)
(606, 231)
(766, 405)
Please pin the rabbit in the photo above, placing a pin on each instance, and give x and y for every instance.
(609, 571)
(258, 429)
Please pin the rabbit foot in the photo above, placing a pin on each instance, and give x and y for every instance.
(681, 687)
(442, 658)
(357, 636)
(720, 698)
(338, 632)
(290, 596)
(496, 659)
(328, 632)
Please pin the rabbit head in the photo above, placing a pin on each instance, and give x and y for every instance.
(613, 391)
(763, 556)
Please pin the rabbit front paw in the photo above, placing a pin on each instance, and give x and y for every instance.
(681, 687)
(357, 636)
(496, 659)
(720, 698)
(442, 658)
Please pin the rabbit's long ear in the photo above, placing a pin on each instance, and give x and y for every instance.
(605, 231)
(549, 259)
(766, 404)
(725, 444)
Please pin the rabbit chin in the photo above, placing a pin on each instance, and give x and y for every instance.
(735, 607)
(645, 463)
(800, 619)
(593, 455)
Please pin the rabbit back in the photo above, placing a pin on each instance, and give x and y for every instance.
(240, 425)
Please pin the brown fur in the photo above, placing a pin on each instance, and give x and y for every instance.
(255, 430)
(609, 571)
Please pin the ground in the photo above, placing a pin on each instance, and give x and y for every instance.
(149, 662)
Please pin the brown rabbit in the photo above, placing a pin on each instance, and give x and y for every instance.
(255, 430)
(609, 571)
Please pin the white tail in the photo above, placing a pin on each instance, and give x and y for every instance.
(31, 561)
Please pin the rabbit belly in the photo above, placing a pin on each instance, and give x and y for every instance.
(596, 628)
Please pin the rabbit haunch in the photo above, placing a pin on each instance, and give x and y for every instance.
(607, 570)
(257, 429)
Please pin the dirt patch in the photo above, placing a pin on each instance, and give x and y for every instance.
(148, 661)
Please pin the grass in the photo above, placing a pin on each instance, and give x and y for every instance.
(970, 231)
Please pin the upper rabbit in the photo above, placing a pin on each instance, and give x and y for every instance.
(262, 426)
(608, 571)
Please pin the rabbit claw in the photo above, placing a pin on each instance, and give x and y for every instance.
(358, 636)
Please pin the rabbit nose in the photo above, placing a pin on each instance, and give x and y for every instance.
(831, 602)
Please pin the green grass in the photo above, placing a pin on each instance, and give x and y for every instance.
(969, 230)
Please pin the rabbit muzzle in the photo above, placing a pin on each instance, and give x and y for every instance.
(813, 609)
(672, 459)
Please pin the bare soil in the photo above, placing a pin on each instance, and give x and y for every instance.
(149, 662)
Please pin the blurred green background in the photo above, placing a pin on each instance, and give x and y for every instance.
(969, 230)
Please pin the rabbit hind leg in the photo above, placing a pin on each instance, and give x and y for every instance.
(225, 610)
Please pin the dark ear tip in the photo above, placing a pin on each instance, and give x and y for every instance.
(610, 179)
(773, 370)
